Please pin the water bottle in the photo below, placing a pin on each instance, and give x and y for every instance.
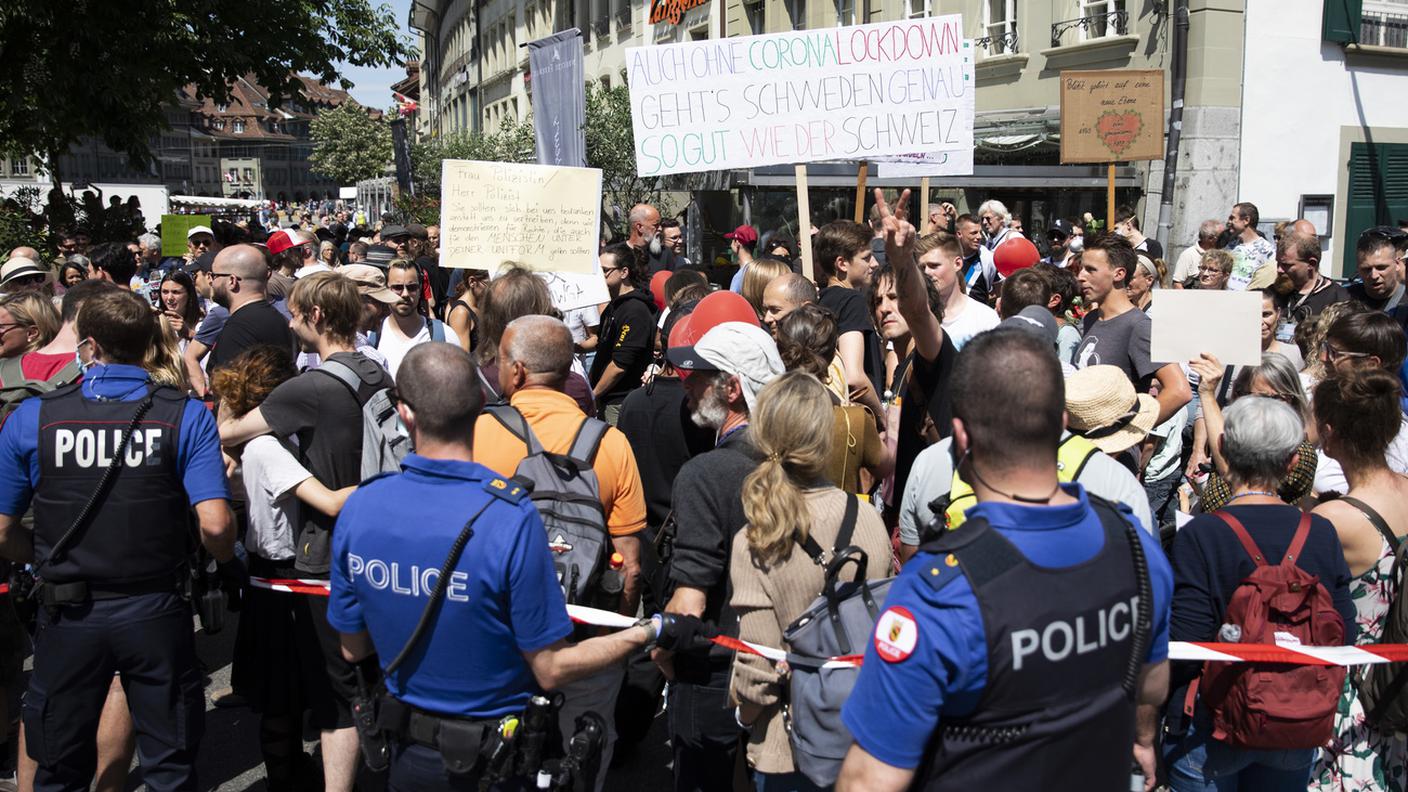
(613, 583)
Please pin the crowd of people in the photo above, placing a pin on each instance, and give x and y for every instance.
(940, 431)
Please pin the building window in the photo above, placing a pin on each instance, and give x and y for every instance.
(845, 12)
(1384, 24)
(19, 167)
(1103, 18)
(999, 27)
(797, 10)
(222, 108)
(753, 11)
(239, 125)
(249, 175)
(915, 9)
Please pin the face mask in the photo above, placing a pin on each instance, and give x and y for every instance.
(78, 357)
(1076, 245)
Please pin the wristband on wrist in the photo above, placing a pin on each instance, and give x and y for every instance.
(651, 625)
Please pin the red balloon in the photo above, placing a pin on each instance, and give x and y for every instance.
(1013, 254)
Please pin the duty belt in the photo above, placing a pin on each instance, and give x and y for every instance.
(461, 742)
(52, 594)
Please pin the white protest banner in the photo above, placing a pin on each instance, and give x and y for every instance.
(1189, 322)
(913, 166)
(847, 93)
(544, 218)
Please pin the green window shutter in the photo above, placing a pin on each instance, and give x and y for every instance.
(1378, 193)
(1341, 20)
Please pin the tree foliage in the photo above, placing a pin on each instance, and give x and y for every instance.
(611, 147)
(349, 145)
(511, 142)
(105, 68)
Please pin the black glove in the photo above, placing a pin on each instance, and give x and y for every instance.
(680, 633)
(233, 576)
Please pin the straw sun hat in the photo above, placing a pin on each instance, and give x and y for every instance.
(1102, 406)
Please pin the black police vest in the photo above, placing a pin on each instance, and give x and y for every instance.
(140, 531)
(1054, 713)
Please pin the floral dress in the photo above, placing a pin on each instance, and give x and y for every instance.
(1359, 758)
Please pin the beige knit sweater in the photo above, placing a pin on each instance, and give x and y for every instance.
(769, 599)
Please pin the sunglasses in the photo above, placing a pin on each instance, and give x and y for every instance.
(407, 288)
(1334, 353)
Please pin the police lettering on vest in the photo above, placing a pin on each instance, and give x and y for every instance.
(408, 580)
(88, 448)
(130, 537)
(1059, 639)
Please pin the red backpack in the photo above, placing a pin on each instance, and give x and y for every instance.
(1274, 705)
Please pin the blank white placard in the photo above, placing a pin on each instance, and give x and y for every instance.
(1188, 322)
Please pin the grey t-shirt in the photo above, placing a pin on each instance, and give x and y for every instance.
(1123, 342)
(932, 476)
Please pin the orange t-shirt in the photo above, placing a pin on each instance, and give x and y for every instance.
(555, 419)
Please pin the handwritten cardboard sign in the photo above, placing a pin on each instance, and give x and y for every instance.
(846, 93)
(1188, 322)
(174, 228)
(1112, 116)
(544, 218)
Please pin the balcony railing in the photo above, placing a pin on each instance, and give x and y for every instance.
(1001, 44)
(1384, 30)
(1113, 23)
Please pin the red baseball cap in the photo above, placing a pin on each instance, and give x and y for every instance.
(744, 234)
(283, 239)
(712, 311)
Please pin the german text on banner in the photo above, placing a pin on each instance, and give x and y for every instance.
(544, 218)
(846, 93)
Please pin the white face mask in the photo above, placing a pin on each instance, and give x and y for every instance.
(78, 356)
(1076, 245)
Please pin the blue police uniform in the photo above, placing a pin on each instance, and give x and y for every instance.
(131, 557)
(928, 664)
(502, 600)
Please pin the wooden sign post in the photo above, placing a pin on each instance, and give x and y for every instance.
(1112, 116)
(924, 205)
(862, 170)
(804, 222)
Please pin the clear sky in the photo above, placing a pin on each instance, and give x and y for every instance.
(373, 86)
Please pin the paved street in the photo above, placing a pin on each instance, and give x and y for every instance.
(229, 754)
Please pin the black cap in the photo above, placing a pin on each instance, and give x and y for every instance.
(417, 231)
(379, 256)
(1060, 228)
(389, 231)
(203, 263)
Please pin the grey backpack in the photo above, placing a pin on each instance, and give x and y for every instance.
(385, 441)
(838, 624)
(17, 387)
(567, 495)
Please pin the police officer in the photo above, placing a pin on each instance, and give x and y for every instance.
(1012, 651)
(498, 635)
(113, 466)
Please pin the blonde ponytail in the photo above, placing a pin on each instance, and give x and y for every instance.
(791, 426)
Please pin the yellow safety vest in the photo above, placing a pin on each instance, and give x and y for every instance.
(1071, 457)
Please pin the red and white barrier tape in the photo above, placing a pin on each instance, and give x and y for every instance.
(1177, 650)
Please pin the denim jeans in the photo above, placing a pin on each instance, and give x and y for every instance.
(1199, 763)
(784, 782)
(704, 737)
